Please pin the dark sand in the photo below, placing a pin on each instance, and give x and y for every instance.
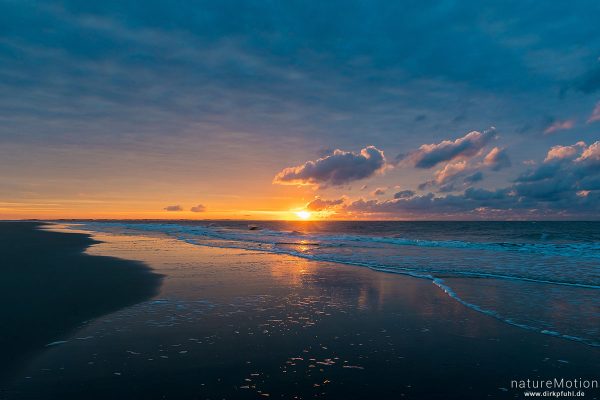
(234, 324)
(49, 287)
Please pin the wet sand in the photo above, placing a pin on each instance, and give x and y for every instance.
(236, 324)
(49, 287)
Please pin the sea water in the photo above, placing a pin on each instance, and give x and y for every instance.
(541, 276)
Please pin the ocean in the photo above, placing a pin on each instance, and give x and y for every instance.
(539, 276)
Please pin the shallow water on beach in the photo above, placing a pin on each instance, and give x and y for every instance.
(540, 276)
(241, 324)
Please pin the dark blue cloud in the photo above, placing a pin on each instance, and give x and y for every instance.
(430, 155)
(150, 79)
(475, 177)
(404, 194)
(565, 184)
(342, 64)
(336, 169)
(319, 204)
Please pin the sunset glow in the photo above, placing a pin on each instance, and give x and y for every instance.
(260, 128)
(304, 215)
(235, 192)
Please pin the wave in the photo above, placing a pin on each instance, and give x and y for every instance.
(440, 283)
(282, 242)
(580, 249)
(288, 243)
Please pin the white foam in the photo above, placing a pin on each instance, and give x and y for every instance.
(279, 242)
(56, 343)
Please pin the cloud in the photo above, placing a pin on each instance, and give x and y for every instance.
(450, 171)
(404, 194)
(461, 156)
(446, 177)
(483, 203)
(242, 79)
(564, 152)
(565, 171)
(475, 177)
(545, 170)
(590, 154)
(339, 168)
(198, 208)
(497, 159)
(567, 183)
(416, 204)
(378, 192)
(559, 126)
(173, 208)
(319, 204)
(429, 155)
(595, 116)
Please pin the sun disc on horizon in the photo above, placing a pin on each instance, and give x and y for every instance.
(304, 215)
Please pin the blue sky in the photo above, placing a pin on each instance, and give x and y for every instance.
(121, 105)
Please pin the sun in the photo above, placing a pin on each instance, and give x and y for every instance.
(303, 214)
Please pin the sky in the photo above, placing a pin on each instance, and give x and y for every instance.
(259, 109)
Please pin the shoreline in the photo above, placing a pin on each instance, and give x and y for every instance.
(440, 281)
(240, 323)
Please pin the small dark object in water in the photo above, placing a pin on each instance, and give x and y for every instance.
(253, 227)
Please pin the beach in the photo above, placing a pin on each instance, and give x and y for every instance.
(231, 323)
(49, 287)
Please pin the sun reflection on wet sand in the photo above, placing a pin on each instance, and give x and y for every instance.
(246, 323)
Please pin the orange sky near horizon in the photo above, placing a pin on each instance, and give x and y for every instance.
(278, 208)
(368, 111)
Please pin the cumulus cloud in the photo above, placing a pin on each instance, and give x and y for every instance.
(565, 171)
(566, 183)
(497, 159)
(319, 204)
(450, 171)
(429, 155)
(378, 192)
(590, 154)
(564, 152)
(559, 126)
(339, 168)
(173, 208)
(198, 208)
(595, 116)
(446, 179)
